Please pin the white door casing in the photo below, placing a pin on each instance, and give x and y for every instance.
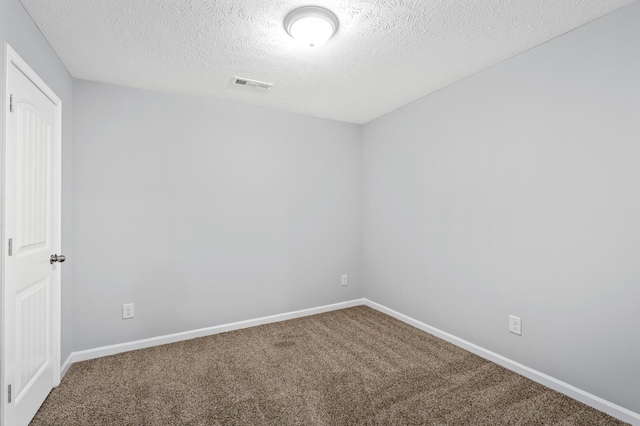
(30, 235)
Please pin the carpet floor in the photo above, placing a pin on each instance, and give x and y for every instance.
(354, 366)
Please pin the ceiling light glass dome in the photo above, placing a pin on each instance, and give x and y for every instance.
(311, 25)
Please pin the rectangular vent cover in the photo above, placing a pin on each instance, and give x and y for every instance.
(247, 82)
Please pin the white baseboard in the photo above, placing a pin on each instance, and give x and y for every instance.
(66, 365)
(201, 332)
(537, 376)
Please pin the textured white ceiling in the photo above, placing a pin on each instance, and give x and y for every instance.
(386, 53)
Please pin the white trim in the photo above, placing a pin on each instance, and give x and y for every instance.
(13, 57)
(201, 332)
(66, 366)
(3, 97)
(537, 376)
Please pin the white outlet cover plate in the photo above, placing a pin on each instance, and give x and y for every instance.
(127, 311)
(345, 280)
(515, 325)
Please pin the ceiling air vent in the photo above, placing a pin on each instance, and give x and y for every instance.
(247, 82)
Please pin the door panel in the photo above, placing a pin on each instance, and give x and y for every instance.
(33, 179)
(32, 342)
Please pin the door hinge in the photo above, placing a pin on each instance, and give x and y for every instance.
(11, 106)
(9, 394)
(10, 246)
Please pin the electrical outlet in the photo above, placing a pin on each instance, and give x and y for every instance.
(127, 310)
(344, 280)
(515, 325)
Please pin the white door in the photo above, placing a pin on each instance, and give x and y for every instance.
(31, 220)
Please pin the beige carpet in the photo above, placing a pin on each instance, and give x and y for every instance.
(350, 367)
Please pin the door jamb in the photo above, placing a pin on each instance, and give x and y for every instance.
(12, 58)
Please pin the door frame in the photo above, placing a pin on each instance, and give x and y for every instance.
(11, 58)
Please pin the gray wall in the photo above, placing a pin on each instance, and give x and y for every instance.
(17, 29)
(516, 191)
(203, 212)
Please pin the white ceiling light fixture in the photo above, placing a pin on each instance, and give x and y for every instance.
(311, 25)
